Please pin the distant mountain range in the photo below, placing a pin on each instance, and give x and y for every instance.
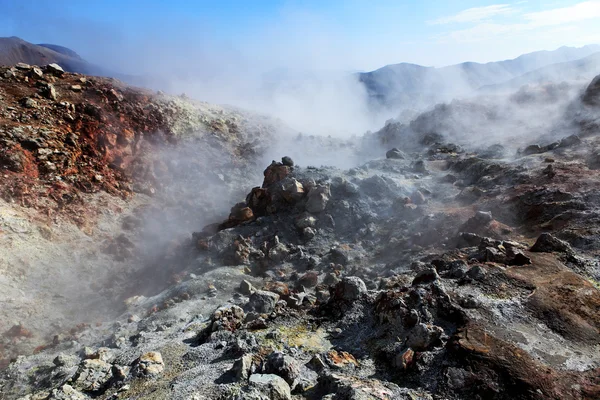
(404, 84)
(393, 86)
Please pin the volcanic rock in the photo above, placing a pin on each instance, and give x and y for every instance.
(263, 302)
(547, 243)
(270, 386)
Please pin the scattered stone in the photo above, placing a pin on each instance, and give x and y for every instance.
(341, 359)
(546, 243)
(65, 360)
(283, 366)
(263, 302)
(477, 273)
(423, 337)
(28, 102)
(308, 233)
(395, 154)
(246, 288)
(275, 172)
(287, 161)
(417, 197)
(457, 269)
(55, 69)
(404, 359)
(67, 392)
(92, 375)
(309, 279)
(317, 363)
(22, 66)
(228, 318)
(318, 198)
(426, 276)
(36, 73)
(520, 259)
(75, 88)
(275, 387)
(351, 288)
(243, 367)
(306, 221)
(483, 217)
(49, 91)
(149, 364)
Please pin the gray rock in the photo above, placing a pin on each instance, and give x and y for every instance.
(50, 92)
(66, 360)
(350, 288)
(263, 302)
(36, 73)
(149, 364)
(317, 199)
(287, 161)
(272, 385)
(483, 217)
(395, 154)
(477, 272)
(55, 69)
(279, 252)
(243, 367)
(426, 276)
(547, 243)
(67, 392)
(306, 221)
(458, 378)
(92, 375)
(22, 66)
(308, 233)
(246, 288)
(457, 269)
(422, 337)
(283, 366)
(28, 102)
(417, 197)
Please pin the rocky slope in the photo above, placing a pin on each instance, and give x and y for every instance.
(84, 161)
(444, 270)
(14, 50)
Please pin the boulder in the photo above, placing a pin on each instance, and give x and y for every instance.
(149, 364)
(92, 375)
(423, 337)
(395, 154)
(243, 367)
(275, 173)
(273, 386)
(283, 366)
(67, 392)
(317, 200)
(351, 288)
(263, 302)
(55, 69)
(546, 243)
(287, 161)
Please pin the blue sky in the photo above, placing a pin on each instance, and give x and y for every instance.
(348, 35)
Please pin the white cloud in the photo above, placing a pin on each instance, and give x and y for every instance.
(558, 16)
(474, 14)
(538, 22)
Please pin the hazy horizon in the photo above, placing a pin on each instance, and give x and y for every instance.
(350, 36)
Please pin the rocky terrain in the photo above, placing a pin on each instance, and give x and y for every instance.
(444, 268)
